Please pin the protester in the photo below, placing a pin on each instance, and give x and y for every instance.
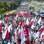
(22, 29)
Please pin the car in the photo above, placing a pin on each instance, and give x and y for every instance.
(42, 13)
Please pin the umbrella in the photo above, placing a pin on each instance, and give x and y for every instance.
(10, 12)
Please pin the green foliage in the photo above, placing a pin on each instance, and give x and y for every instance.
(7, 6)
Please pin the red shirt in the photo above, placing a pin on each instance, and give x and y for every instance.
(1, 27)
(8, 35)
(26, 32)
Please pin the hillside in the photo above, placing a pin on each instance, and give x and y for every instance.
(36, 5)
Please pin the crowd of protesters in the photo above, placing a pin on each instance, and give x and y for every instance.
(22, 28)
